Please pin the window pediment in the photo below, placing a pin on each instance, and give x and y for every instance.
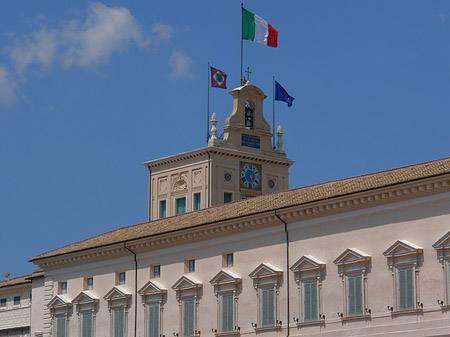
(152, 288)
(443, 243)
(85, 297)
(352, 256)
(225, 277)
(265, 270)
(402, 248)
(59, 301)
(186, 282)
(307, 263)
(117, 293)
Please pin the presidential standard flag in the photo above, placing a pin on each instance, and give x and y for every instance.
(258, 30)
(218, 78)
(282, 95)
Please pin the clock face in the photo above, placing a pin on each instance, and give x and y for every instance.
(251, 176)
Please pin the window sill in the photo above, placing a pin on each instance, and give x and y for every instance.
(227, 333)
(310, 323)
(268, 328)
(355, 318)
(406, 311)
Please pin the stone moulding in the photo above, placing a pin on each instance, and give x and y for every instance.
(291, 213)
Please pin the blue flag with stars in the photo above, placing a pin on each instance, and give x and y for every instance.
(282, 95)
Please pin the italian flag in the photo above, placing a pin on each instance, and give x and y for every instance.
(258, 30)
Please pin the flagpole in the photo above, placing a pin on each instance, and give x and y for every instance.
(242, 47)
(207, 110)
(273, 109)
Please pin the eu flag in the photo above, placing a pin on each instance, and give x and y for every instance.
(282, 95)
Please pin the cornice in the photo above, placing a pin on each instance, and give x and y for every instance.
(290, 214)
(218, 151)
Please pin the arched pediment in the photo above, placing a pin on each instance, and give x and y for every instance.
(225, 277)
(249, 89)
(307, 263)
(265, 270)
(402, 248)
(352, 255)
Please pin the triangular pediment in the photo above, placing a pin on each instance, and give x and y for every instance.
(152, 288)
(225, 277)
(85, 297)
(352, 255)
(443, 242)
(186, 282)
(265, 270)
(402, 248)
(117, 293)
(59, 301)
(307, 262)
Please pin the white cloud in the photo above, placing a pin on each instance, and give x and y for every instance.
(84, 43)
(163, 33)
(181, 65)
(7, 88)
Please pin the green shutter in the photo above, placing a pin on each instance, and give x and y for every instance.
(405, 288)
(162, 209)
(189, 317)
(181, 205)
(61, 327)
(87, 325)
(153, 320)
(267, 307)
(197, 201)
(227, 313)
(119, 320)
(354, 296)
(310, 301)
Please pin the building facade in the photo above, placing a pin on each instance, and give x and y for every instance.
(362, 256)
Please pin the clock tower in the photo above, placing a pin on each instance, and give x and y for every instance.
(240, 165)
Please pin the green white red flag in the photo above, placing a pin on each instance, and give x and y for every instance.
(258, 30)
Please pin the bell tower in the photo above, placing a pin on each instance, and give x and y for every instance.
(241, 165)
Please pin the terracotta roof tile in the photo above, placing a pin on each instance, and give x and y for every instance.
(260, 204)
(15, 281)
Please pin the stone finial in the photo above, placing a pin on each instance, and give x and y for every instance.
(280, 138)
(7, 276)
(214, 127)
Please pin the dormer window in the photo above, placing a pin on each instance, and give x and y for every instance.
(248, 115)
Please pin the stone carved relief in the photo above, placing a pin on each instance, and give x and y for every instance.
(180, 182)
(197, 177)
(163, 184)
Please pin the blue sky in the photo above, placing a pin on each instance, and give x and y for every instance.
(90, 90)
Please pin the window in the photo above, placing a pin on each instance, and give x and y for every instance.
(119, 323)
(3, 303)
(226, 287)
(197, 201)
(153, 320)
(156, 271)
(308, 274)
(162, 209)
(180, 205)
(121, 278)
(403, 260)
(191, 266)
(266, 280)
(63, 287)
(188, 317)
(352, 266)
(405, 288)
(227, 197)
(89, 283)
(443, 252)
(310, 301)
(60, 326)
(230, 260)
(86, 324)
(227, 313)
(267, 307)
(16, 300)
(354, 295)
